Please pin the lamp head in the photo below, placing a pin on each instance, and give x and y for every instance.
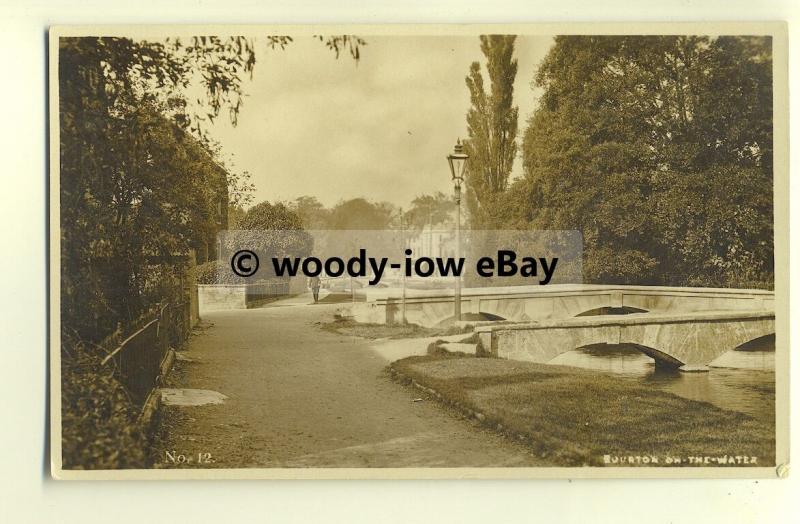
(458, 163)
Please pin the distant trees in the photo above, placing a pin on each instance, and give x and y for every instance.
(266, 216)
(274, 230)
(434, 209)
(354, 214)
(492, 128)
(235, 215)
(312, 213)
(359, 213)
(659, 149)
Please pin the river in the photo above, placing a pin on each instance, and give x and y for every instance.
(740, 380)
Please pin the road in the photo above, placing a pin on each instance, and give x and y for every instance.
(301, 396)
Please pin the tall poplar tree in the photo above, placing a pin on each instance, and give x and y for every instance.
(492, 128)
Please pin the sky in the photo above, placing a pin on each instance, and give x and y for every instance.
(379, 128)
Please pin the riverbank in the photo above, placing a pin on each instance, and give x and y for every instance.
(579, 417)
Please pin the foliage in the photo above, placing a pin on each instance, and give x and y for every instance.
(352, 214)
(273, 230)
(165, 70)
(141, 183)
(492, 127)
(270, 216)
(132, 197)
(312, 213)
(235, 215)
(359, 213)
(659, 149)
(98, 421)
(429, 210)
(219, 272)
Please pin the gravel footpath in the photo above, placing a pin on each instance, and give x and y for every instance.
(301, 396)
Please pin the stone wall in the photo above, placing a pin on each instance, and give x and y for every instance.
(215, 297)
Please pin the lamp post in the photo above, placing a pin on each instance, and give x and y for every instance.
(403, 245)
(458, 163)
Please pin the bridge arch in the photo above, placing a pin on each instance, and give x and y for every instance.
(690, 343)
(661, 359)
(611, 310)
(441, 313)
(756, 343)
(491, 316)
(759, 345)
(697, 345)
(473, 317)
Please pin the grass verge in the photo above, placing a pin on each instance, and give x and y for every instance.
(576, 417)
(349, 327)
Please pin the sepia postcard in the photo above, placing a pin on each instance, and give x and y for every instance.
(466, 251)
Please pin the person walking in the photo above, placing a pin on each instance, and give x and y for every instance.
(314, 284)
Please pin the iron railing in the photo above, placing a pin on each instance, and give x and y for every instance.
(137, 359)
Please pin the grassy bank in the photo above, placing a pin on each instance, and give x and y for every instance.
(350, 327)
(577, 417)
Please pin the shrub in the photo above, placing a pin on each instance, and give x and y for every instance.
(98, 420)
(217, 272)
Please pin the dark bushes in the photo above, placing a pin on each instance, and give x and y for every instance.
(215, 272)
(98, 419)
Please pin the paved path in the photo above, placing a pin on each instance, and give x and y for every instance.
(300, 396)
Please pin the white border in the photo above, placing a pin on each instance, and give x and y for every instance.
(28, 494)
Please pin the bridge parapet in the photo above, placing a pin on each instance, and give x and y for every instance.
(525, 303)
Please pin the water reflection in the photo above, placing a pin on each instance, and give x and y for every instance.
(740, 380)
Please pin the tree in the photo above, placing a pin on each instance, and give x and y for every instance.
(235, 215)
(273, 230)
(659, 150)
(266, 216)
(430, 210)
(311, 211)
(139, 177)
(492, 128)
(360, 213)
(140, 195)
(140, 185)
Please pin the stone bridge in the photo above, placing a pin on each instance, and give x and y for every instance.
(686, 341)
(559, 301)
